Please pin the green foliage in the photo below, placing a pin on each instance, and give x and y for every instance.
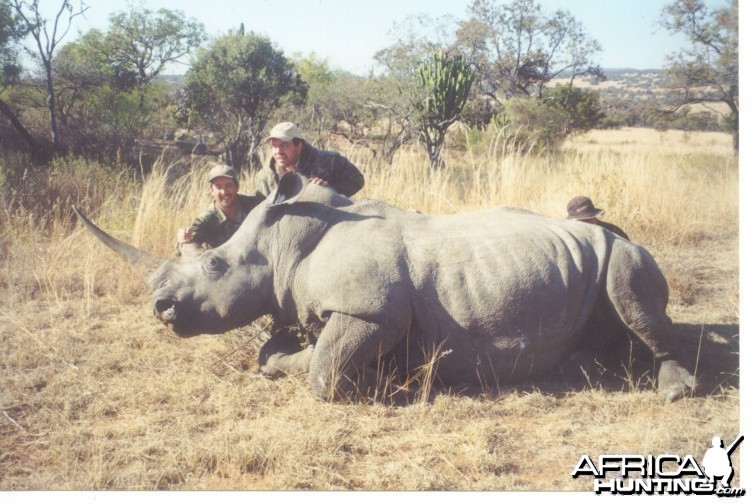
(140, 43)
(707, 70)
(47, 35)
(108, 122)
(530, 125)
(235, 85)
(86, 62)
(102, 112)
(517, 48)
(44, 194)
(106, 94)
(327, 92)
(479, 111)
(445, 84)
(11, 31)
(582, 107)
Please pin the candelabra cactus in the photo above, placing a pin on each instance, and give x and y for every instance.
(445, 84)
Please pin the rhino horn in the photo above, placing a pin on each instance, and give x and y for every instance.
(131, 254)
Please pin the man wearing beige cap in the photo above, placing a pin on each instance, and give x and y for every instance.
(581, 208)
(292, 154)
(219, 221)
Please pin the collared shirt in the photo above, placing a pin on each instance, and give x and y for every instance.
(213, 227)
(338, 171)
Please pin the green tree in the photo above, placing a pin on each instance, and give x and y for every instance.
(320, 112)
(582, 107)
(337, 104)
(706, 71)
(530, 125)
(393, 90)
(235, 85)
(517, 49)
(47, 35)
(101, 113)
(445, 84)
(139, 44)
(11, 32)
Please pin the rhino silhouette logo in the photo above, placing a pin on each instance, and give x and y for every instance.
(717, 463)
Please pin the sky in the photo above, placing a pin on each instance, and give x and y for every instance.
(349, 32)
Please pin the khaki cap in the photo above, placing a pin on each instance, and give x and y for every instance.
(284, 131)
(222, 171)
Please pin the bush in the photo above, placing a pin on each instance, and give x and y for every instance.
(530, 125)
(45, 194)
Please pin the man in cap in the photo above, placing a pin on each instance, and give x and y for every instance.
(219, 221)
(581, 208)
(291, 153)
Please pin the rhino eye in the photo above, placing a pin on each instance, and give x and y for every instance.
(214, 265)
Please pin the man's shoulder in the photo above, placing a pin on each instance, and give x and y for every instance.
(206, 220)
(249, 202)
(208, 214)
(312, 155)
(323, 154)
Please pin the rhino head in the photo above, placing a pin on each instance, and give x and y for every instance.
(221, 289)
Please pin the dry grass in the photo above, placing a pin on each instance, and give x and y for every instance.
(96, 395)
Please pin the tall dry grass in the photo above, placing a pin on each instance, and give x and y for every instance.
(670, 191)
(96, 395)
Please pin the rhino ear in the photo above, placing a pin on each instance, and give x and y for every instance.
(290, 187)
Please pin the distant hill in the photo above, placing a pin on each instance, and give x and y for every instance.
(632, 97)
(624, 80)
(629, 97)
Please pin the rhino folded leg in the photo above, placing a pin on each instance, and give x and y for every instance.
(280, 364)
(282, 354)
(340, 362)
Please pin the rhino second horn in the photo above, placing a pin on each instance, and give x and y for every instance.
(131, 254)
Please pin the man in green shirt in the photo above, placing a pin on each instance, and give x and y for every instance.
(219, 221)
(291, 153)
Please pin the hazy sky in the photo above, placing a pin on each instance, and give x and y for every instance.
(349, 32)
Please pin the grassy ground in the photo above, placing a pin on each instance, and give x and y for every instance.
(97, 395)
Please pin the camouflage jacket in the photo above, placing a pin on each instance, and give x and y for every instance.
(213, 227)
(330, 166)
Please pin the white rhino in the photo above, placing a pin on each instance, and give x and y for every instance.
(496, 296)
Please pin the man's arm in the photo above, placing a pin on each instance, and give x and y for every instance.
(190, 240)
(345, 178)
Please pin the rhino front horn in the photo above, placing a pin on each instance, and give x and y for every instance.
(131, 254)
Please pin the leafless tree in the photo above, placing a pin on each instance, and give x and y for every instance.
(47, 35)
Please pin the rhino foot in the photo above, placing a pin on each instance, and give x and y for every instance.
(280, 364)
(674, 381)
(270, 372)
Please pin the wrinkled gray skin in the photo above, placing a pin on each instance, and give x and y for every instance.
(496, 296)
